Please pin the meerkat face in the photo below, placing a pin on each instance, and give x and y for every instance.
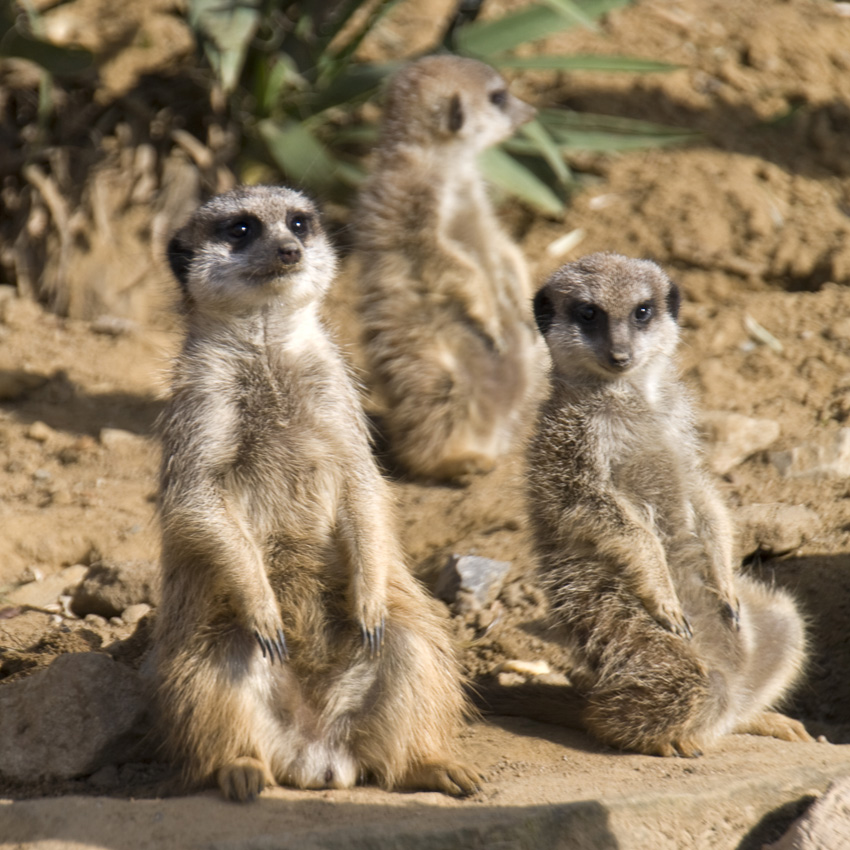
(247, 247)
(451, 98)
(608, 316)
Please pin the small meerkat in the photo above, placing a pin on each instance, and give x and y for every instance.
(444, 293)
(292, 644)
(635, 546)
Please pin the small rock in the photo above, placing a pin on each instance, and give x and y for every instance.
(96, 620)
(775, 529)
(524, 668)
(40, 432)
(816, 461)
(732, 438)
(118, 438)
(826, 824)
(15, 384)
(480, 577)
(110, 587)
(133, 613)
(70, 720)
(508, 680)
(40, 594)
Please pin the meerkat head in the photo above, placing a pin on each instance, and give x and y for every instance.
(608, 316)
(444, 99)
(250, 246)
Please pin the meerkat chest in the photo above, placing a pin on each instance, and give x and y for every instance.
(287, 461)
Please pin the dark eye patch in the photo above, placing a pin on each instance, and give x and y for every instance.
(240, 231)
(586, 314)
(644, 312)
(499, 98)
(299, 223)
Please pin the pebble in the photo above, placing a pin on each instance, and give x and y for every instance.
(133, 613)
(40, 432)
(732, 438)
(471, 580)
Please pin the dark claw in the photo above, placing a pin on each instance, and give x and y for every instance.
(689, 633)
(270, 648)
(732, 615)
(373, 639)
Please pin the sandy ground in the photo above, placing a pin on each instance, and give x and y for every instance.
(753, 221)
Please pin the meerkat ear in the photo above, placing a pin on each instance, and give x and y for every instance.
(456, 116)
(544, 311)
(674, 301)
(179, 258)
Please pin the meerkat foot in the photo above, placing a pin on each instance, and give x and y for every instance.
(772, 724)
(243, 780)
(451, 777)
(272, 646)
(686, 748)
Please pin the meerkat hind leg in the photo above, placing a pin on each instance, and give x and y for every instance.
(772, 724)
(449, 777)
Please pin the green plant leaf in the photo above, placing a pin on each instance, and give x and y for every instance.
(546, 147)
(501, 169)
(341, 60)
(299, 154)
(572, 11)
(227, 27)
(562, 121)
(552, 62)
(486, 38)
(355, 85)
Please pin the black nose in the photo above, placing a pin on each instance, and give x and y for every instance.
(289, 254)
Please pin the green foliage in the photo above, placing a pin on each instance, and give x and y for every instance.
(287, 73)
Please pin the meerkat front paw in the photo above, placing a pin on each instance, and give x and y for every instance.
(268, 632)
(372, 627)
(669, 616)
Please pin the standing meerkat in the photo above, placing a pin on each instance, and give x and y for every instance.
(635, 545)
(292, 644)
(445, 294)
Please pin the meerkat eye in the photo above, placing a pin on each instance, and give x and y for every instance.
(240, 231)
(499, 98)
(643, 313)
(299, 224)
(585, 314)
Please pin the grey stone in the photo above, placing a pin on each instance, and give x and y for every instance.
(80, 714)
(109, 587)
(473, 579)
(732, 438)
(826, 824)
(775, 529)
(811, 460)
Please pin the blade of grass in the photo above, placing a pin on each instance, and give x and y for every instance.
(566, 120)
(299, 154)
(551, 62)
(546, 147)
(483, 39)
(506, 173)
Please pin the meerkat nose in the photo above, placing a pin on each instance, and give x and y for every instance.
(289, 253)
(619, 359)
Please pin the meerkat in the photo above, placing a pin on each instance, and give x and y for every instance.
(635, 546)
(292, 645)
(444, 293)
